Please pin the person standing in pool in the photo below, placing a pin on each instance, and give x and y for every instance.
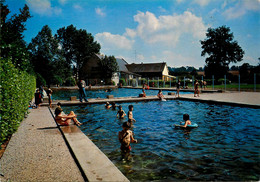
(121, 113)
(130, 114)
(107, 105)
(186, 119)
(125, 138)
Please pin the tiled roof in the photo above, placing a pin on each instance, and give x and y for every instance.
(146, 67)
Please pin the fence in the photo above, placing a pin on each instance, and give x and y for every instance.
(235, 83)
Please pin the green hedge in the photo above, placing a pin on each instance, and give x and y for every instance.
(16, 90)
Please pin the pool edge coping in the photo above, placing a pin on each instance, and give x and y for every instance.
(76, 149)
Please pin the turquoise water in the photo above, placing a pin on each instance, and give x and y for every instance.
(122, 92)
(225, 146)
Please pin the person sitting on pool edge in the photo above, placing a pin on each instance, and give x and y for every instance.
(160, 95)
(186, 118)
(125, 138)
(65, 119)
(121, 113)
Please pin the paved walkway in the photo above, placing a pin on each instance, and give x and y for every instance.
(37, 152)
(247, 99)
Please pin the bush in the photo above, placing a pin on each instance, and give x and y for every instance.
(70, 81)
(16, 90)
(122, 80)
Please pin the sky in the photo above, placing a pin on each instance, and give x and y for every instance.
(150, 31)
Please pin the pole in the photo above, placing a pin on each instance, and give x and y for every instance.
(184, 82)
(254, 82)
(239, 82)
(158, 83)
(225, 81)
(192, 82)
(213, 81)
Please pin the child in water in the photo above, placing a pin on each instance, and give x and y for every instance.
(186, 118)
(108, 106)
(125, 138)
(114, 105)
(130, 113)
(121, 113)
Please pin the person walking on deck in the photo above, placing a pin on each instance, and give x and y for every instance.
(82, 91)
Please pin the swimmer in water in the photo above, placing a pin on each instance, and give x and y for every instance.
(186, 119)
(121, 113)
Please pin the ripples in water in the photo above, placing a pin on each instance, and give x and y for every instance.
(225, 146)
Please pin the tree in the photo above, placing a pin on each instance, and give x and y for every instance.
(221, 49)
(44, 50)
(108, 66)
(78, 46)
(12, 44)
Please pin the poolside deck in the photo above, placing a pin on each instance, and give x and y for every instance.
(42, 151)
(243, 99)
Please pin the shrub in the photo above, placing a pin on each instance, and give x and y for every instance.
(122, 80)
(16, 90)
(70, 81)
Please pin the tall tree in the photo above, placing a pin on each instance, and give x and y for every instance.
(221, 49)
(11, 37)
(108, 66)
(77, 45)
(44, 49)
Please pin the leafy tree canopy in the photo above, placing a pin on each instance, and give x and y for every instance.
(108, 66)
(44, 49)
(221, 50)
(77, 45)
(12, 44)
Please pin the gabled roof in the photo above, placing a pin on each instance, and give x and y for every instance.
(122, 64)
(146, 67)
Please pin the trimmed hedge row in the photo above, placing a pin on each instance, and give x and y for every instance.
(16, 91)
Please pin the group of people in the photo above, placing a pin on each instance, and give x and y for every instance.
(125, 136)
(39, 95)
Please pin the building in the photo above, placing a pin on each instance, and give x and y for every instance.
(92, 73)
(151, 70)
(123, 72)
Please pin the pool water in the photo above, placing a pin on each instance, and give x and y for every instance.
(225, 146)
(122, 92)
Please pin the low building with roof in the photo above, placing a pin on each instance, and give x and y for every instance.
(151, 70)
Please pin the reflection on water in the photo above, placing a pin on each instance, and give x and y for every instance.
(225, 146)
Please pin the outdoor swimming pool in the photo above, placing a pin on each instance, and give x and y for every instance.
(225, 146)
(122, 92)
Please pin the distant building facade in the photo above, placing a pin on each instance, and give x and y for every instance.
(92, 73)
(151, 70)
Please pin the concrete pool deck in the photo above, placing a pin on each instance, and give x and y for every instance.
(243, 99)
(41, 151)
